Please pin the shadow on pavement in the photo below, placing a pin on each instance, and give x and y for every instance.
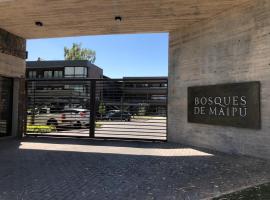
(43, 168)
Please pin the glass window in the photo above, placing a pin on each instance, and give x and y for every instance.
(75, 72)
(58, 74)
(140, 85)
(32, 74)
(78, 88)
(69, 71)
(47, 74)
(79, 71)
(158, 97)
(155, 85)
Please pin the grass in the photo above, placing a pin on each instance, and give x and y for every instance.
(46, 128)
(98, 125)
(40, 129)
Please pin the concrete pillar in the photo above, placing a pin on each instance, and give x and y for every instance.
(229, 48)
(12, 65)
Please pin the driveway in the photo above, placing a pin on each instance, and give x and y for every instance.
(70, 169)
(153, 129)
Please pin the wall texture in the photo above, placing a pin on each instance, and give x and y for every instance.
(12, 45)
(232, 47)
(12, 64)
(12, 55)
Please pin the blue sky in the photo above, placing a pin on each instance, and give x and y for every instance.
(118, 55)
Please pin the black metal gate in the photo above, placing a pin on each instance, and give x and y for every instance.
(128, 108)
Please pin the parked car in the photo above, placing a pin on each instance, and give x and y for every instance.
(74, 117)
(118, 115)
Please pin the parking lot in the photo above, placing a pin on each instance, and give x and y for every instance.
(70, 169)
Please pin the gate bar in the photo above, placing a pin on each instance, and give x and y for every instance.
(92, 119)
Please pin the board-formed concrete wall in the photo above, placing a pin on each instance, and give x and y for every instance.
(231, 47)
(12, 55)
(12, 65)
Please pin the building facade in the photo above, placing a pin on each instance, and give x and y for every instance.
(146, 95)
(62, 69)
(52, 86)
(138, 95)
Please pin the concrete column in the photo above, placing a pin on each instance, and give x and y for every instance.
(229, 48)
(12, 65)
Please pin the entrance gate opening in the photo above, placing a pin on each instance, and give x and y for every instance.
(128, 108)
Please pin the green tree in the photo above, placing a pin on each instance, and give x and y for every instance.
(76, 52)
(102, 109)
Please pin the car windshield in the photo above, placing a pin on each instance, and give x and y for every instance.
(110, 114)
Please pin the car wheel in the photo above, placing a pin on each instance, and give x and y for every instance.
(52, 122)
(78, 125)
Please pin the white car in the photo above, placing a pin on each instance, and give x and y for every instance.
(73, 117)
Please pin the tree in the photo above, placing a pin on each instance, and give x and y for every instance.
(102, 109)
(76, 52)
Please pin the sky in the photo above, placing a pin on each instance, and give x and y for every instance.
(118, 55)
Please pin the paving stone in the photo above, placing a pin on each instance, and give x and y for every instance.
(63, 169)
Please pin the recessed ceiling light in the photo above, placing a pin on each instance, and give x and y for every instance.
(38, 23)
(118, 18)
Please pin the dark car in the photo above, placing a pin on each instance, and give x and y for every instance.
(123, 116)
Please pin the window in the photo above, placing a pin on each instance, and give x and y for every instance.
(47, 74)
(58, 74)
(155, 85)
(32, 74)
(141, 85)
(78, 72)
(78, 88)
(69, 71)
(158, 97)
(164, 85)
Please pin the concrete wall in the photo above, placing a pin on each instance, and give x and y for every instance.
(95, 72)
(12, 65)
(231, 47)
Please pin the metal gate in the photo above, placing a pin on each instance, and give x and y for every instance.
(128, 108)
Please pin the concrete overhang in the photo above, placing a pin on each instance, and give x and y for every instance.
(62, 18)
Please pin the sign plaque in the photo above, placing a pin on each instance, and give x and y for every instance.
(236, 104)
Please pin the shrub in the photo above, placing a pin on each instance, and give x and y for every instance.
(40, 129)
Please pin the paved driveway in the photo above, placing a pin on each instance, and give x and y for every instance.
(69, 169)
(153, 129)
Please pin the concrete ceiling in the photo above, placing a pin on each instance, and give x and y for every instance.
(94, 17)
